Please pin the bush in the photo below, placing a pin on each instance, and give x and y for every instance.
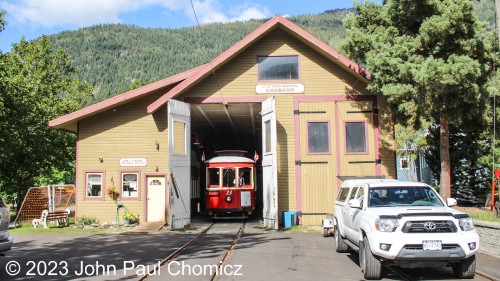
(86, 220)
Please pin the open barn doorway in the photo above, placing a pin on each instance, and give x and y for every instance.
(223, 126)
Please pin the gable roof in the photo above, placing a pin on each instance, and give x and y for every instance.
(275, 22)
(189, 78)
(68, 121)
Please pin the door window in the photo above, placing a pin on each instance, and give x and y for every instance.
(318, 137)
(342, 196)
(355, 133)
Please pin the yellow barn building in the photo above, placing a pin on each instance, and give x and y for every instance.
(301, 105)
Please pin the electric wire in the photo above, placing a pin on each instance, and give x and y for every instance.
(210, 62)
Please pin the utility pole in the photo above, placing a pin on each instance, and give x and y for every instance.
(493, 189)
(497, 10)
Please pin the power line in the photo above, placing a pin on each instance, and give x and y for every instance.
(211, 65)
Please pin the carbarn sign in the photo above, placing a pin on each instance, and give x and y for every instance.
(133, 162)
(280, 89)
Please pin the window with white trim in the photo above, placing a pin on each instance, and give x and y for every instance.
(278, 67)
(130, 185)
(94, 184)
(403, 162)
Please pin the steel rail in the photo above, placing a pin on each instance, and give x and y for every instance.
(487, 276)
(176, 253)
(229, 252)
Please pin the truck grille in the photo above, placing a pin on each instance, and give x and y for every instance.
(429, 226)
(419, 247)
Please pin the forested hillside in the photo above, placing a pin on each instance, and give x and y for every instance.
(116, 58)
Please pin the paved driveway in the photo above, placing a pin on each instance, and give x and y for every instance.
(259, 255)
(60, 257)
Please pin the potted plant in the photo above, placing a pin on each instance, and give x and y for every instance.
(113, 192)
(129, 217)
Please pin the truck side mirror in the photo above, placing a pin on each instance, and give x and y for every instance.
(451, 202)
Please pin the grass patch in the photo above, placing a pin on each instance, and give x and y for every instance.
(479, 214)
(303, 229)
(27, 228)
(263, 227)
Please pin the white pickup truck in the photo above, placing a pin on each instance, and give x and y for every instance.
(403, 223)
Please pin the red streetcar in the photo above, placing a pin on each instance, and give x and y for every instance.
(231, 185)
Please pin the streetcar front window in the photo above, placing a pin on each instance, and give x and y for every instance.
(244, 176)
(214, 177)
(228, 177)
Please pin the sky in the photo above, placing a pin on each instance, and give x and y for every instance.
(32, 18)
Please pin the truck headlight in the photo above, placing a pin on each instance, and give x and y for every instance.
(466, 224)
(386, 225)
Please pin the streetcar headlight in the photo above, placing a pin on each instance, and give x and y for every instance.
(229, 198)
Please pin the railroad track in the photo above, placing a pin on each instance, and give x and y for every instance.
(174, 256)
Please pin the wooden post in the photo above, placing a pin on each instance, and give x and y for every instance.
(493, 193)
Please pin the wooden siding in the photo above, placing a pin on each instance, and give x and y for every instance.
(387, 139)
(124, 132)
(319, 76)
(128, 132)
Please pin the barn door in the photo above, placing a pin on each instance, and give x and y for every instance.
(179, 164)
(316, 161)
(357, 139)
(269, 163)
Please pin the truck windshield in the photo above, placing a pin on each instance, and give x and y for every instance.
(403, 196)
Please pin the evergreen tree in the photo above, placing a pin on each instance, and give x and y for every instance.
(430, 59)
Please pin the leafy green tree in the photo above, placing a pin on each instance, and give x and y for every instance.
(37, 84)
(409, 143)
(430, 59)
(2, 20)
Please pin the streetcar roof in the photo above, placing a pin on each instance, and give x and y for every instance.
(230, 159)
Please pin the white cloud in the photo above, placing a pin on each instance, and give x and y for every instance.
(248, 12)
(50, 13)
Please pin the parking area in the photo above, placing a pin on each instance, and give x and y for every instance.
(259, 255)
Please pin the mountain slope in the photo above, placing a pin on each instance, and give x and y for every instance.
(115, 58)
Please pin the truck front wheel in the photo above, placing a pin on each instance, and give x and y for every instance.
(340, 245)
(370, 265)
(466, 268)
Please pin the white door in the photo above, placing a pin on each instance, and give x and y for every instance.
(269, 165)
(179, 163)
(155, 199)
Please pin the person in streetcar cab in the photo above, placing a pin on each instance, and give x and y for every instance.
(241, 179)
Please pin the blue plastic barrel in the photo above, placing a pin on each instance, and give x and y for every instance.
(289, 218)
